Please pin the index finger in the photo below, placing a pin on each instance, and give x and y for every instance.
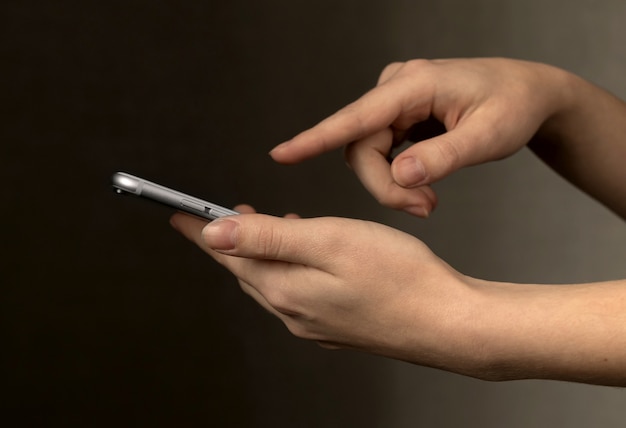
(374, 111)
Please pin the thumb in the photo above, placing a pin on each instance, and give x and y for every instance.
(431, 160)
(263, 237)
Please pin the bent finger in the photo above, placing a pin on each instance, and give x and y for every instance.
(190, 227)
(368, 159)
(245, 209)
(432, 159)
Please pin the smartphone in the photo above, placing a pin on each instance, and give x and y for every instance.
(126, 184)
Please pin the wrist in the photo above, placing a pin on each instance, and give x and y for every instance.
(583, 138)
(496, 334)
(560, 332)
(484, 342)
(464, 331)
(504, 331)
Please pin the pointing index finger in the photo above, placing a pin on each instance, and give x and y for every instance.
(374, 111)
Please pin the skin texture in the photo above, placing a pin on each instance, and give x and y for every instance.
(359, 285)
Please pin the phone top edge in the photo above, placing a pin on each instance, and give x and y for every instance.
(126, 182)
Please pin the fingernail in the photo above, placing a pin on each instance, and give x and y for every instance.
(409, 172)
(221, 234)
(279, 147)
(417, 211)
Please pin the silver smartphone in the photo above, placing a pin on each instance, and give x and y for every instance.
(126, 184)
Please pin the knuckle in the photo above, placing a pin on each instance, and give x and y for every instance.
(393, 66)
(269, 243)
(408, 67)
(389, 70)
(418, 64)
(448, 152)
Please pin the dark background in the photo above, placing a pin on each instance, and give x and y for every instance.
(111, 318)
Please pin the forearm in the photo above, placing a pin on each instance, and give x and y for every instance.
(585, 141)
(561, 332)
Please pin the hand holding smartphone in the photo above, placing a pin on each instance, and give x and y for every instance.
(125, 184)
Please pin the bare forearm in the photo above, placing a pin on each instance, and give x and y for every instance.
(586, 142)
(562, 332)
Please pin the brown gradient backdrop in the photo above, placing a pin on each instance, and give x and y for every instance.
(109, 318)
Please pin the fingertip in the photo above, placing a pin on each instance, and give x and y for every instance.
(188, 226)
(431, 196)
(282, 153)
(181, 221)
(221, 234)
(421, 203)
(174, 222)
(279, 148)
(245, 209)
(418, 211)
(408, 172)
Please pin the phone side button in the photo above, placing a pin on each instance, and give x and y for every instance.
(217, 212)
(192, 205)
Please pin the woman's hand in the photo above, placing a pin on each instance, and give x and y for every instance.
(490, 108)
(344, 283)
(359, 285)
